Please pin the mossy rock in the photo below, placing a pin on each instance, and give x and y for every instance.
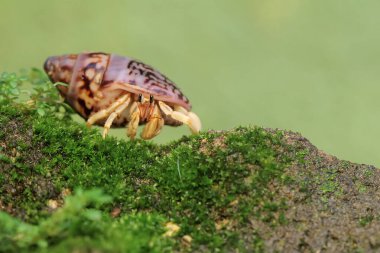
(248, 189)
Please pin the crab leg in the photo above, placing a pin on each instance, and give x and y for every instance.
(181, 114)
(113, 115)
(133, 121)
(105, 112)
(194, 118)
(154, 125)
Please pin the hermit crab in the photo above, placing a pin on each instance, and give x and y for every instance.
(112, 90)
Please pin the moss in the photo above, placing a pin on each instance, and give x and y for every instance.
(78, 226)
(329, 183)
(364, 221)
(360, 187)
(248, 189)
(206, 183)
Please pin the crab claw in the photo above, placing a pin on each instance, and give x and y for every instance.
(182, 115)
(154, 125)
(152, 128)
(194, 123)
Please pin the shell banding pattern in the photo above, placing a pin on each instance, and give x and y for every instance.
(119, 91)
(89, 73)
(153, 79)
(111, 90)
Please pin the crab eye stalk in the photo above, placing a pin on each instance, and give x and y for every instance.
(151, 99)
(140, 98)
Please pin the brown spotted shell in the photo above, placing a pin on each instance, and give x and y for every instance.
(96, 79)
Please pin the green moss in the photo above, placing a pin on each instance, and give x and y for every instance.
(361, 188)
(329, 184)
(368, 173)
(301, 154)
(213, 185)
(364, 221)
(197, 181)
(226, 190)
(79, 226)
(9, 87)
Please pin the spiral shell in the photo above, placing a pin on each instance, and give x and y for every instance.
(97, 79)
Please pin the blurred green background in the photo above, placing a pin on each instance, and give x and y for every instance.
(307, 66)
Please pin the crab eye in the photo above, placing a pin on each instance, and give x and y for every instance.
(140, 98)
(151, 99)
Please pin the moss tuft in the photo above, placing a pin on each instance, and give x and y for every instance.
(79, 226)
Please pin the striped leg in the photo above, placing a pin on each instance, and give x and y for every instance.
(105, 112)
(113, 115)
(181, 114)
(133, 121)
